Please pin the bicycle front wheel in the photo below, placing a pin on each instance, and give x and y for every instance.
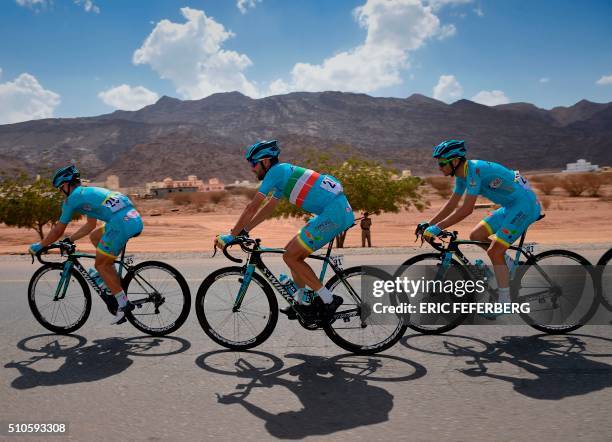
(237, 328)
(426, 265)
(561, 289)
(70, 310)
(359, 332)
(604, 269)
(161, 296)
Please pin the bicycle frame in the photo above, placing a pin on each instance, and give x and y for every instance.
(254, 262)
(123, 263)
(452, 248)
(72, 262)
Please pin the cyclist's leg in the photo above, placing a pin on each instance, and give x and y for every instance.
(488, 226)
(108, 248)
(95, 236)
(319, 231)
(294, 257)
(517, 219)
(117, 232)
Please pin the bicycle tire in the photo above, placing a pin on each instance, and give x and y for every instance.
(136, 317)
(556, 329)
(360, 348)
(271, 313)
(606, 291)
(459, 318)
(32, 297)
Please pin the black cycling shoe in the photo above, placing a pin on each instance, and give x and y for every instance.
(120, 316)
(289, 311)
(328, 310)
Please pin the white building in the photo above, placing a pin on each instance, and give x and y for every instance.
(581, 166)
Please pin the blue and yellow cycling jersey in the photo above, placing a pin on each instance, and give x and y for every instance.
(94, 202)
(303, 187)
(495, 182)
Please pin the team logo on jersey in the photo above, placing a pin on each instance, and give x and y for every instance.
(495, 183)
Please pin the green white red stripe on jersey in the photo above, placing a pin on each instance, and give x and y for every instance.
(299, 185)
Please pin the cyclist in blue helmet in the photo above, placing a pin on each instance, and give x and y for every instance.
(122, 223)
(519, 205)
(319, 194)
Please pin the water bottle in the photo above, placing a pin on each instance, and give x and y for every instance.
(483, 271)
(288, 284)
(95, 276)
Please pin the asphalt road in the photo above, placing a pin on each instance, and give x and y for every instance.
(478, 383)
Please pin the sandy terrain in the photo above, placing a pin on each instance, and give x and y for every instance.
(568, 220)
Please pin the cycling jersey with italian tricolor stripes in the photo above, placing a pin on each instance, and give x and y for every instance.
(303, 187)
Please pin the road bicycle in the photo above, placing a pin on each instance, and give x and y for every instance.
(237, 308)
(554, 306)
(605, 279)
(59, 293)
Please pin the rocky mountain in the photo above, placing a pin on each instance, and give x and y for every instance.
(207, 137)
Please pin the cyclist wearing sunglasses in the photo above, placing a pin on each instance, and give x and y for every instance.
(319, 194)
(519, 205)
(122, 222)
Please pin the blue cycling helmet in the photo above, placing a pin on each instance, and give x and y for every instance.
(66, 174)
(261, 150)
(450, 149)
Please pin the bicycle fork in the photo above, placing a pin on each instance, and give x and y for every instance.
(62, 287)
(244, 285)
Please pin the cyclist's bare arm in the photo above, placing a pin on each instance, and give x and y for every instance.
(461, 213)
(248, 213)
(446, 209)
(54, 234)
(263, 214)
(84, 230)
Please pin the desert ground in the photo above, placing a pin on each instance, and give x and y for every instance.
(187, 228)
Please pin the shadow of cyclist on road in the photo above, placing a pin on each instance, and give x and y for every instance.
(557, 366)
(82, 363)
(333, 399)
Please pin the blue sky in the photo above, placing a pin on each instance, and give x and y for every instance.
(67, 58)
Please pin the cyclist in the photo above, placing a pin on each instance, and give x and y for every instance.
(519, 205)
(319, 194)
(122, 223)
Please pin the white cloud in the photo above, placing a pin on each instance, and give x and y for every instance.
(604, 80)
(88, 5)
(190, 55)
(447, 31)
(35, 5)
(479, 12)
(126, 97)
(490, 98)
(394, 29)
(25, 99)
(448, 89)
(244, 5)
(544, 80)
(436, 5)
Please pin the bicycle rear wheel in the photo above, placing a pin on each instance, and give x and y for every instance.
(64, 315)
(236, 328)
(360, 332)
(561, 288)
(161, 296)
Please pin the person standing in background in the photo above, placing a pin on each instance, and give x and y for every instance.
(366, 224)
